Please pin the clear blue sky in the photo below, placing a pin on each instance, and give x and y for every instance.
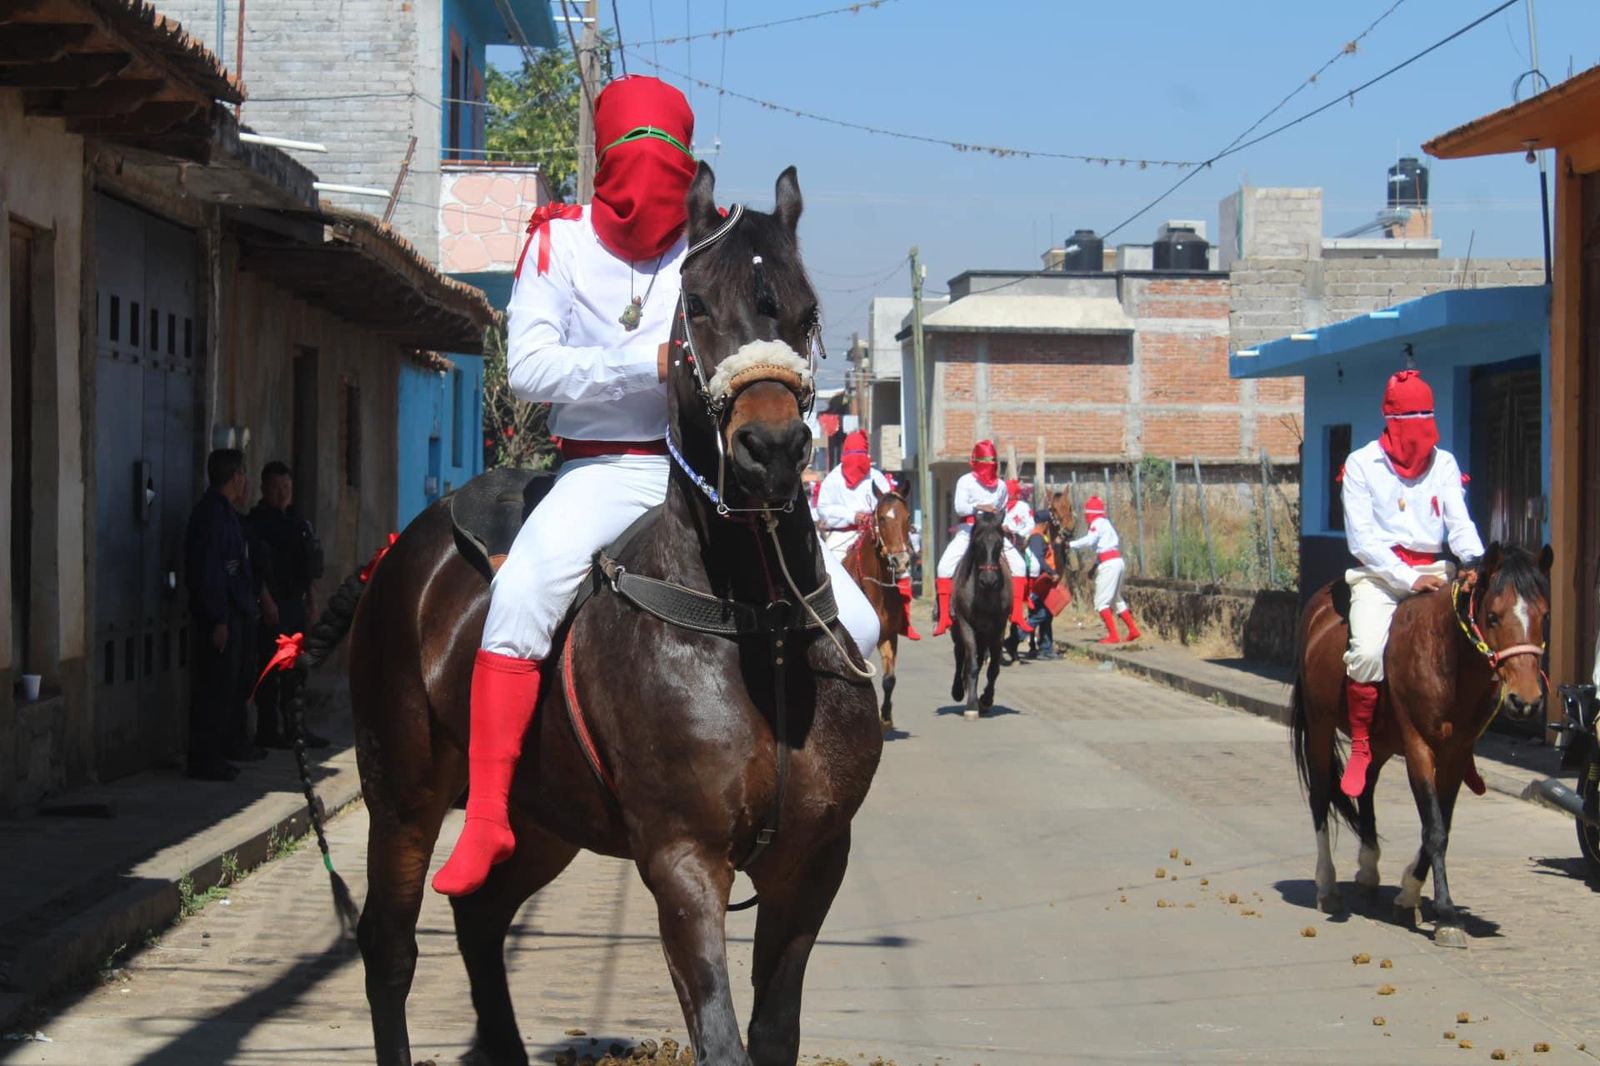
(1141, 78)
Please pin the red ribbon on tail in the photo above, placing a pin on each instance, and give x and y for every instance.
(288, 653)
(377, 557)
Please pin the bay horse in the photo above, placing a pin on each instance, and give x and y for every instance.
(1455, 657)
(980, 612)
(711, 752)
(880, 557)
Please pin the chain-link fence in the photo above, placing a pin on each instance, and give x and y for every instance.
(1236, 526)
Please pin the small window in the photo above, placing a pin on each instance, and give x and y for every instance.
(115, 318)
(172, 333)
(1338, 452)
(350, 431)
(133, 324)
(155, 330)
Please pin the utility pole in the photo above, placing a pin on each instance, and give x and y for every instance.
(924, 460)
(589, 71)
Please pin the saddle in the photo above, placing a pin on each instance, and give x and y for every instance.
(487, 513)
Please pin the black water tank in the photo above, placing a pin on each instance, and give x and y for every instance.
(1408, 183)
(1180, 248)
(1084, 252)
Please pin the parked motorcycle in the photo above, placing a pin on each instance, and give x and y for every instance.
(1580, 750)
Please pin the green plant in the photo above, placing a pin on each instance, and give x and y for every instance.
(230, 869)
(515, 432)
(533, 114)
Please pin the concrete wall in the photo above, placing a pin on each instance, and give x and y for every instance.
(263, 327)
(42, 185)
(440, 418)
(1269, 223)
(360, 76)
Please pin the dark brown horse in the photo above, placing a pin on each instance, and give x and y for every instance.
(687, 723)
(980, 612)
(880, 557)
(1453, 660)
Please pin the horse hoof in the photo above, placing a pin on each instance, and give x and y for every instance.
(1332, 903)
(971, 716)
(1405, 917)
(888, 726)
(1450, 936)
(1369, 894)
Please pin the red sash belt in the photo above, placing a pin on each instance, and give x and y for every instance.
(1411, 558)
(1106, 557)
(970, 519)
(594, 449)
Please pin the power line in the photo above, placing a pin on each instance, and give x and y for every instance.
(622, 49)
(1238, 145)
(654, 45)
(722, 78)
(728, 31)
(960, 146)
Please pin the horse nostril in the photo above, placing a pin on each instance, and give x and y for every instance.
(798, 442)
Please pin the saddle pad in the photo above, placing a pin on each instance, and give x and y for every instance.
(487, 512)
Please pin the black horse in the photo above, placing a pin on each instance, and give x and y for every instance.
(980, 612)
(750, 746)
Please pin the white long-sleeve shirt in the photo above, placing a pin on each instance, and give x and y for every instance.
(1101, 536)
(838, 503)
(566, 347)
(1019, 519)
(1383, 511)
(970, 495)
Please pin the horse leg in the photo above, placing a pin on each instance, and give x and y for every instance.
(1319, 795)
(973, 664)
(792, 911)
(958, 686)
(399, 844)
(482, 919)
(691, 891)
(987, 700)
(887, 650)
(1435, 794)
(1367, 878)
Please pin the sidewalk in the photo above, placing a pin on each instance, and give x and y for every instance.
(103, 871)
(1508, 764)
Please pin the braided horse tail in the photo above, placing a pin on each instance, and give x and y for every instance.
(324, 637)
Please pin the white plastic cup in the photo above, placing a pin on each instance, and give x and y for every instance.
(30, 688)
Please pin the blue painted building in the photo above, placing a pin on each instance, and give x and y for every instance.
(1485, 352)
(440, 445)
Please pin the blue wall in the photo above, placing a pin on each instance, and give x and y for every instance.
(475, 24)
(440, 432)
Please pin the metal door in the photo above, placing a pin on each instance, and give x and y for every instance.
(147, 478)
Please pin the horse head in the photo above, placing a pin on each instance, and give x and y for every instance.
(741, 379)
(986, 548)
(1062, 520)
(892, 522)
(1506, 620)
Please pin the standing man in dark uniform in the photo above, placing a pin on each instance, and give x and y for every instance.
(222, 605)
(286, 558)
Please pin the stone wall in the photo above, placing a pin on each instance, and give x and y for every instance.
(1259, 625)
(483, 215)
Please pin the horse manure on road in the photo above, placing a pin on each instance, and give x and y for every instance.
(1361, 958)
(1308, 931)
(1463, 1018)
(1173, 854)
(1161, 871)
(1467, 1044)
(1386, 964)
(1540, 1047)
(1380, 1020)
(1386, 990)
(1449, 1034)
(1498, 1054)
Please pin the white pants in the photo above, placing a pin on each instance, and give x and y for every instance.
(840, 541)
(1372, 606)
(1108, 586)
(958, 547)
(592, 502)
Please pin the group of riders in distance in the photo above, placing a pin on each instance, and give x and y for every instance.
(675, 341)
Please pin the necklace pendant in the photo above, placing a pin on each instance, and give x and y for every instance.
(632, 315)
(1402, 503)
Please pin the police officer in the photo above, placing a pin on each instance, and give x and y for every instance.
(222, 604)
(286, 558)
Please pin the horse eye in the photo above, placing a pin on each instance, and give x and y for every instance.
(695, 305)
(1494, 620)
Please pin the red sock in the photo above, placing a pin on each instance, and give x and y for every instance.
(1019, 604)
(1361, 698)
(505, 694)
(904, 584)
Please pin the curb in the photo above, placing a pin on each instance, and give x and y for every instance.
(1494, 774)
(72, 952)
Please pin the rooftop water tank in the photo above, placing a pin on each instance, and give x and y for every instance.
(1084, 252)
(1408, 183)
(1180, 248)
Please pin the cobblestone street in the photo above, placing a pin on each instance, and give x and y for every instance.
(1003, 906)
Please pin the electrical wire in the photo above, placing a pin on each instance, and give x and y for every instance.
(1239, 145)
(960, 146)
(577, 56)
(655, 49)
(722, 79)
(622, 49)
(729, 31)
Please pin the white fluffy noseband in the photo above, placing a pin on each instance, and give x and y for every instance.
(759, 361)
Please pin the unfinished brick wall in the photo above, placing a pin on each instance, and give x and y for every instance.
(1164, 391)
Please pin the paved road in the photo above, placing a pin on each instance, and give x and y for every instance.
(1002, 907)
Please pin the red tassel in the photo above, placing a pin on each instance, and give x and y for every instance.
(288, 653)
(377, 557)
(539, 228)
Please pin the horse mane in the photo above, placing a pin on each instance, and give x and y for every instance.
(1520, 569)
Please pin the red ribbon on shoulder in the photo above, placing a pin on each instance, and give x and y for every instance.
(377, 557)
(539, 227)
(288, 653)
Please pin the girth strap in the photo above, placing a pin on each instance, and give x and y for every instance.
(705, 613)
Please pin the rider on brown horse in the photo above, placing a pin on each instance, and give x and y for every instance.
(602, 371)
(980, 490)
(1403, 504)
(845, 504)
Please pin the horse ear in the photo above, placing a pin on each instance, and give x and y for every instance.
(1491, 559)
(1547, 559)
(702, 203)
(789, 202)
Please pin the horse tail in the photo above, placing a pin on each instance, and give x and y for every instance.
(324, 637)
(1299, 738)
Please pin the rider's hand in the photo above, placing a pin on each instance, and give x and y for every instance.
(1428, 583)
(1469, 580)
(661, 361)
